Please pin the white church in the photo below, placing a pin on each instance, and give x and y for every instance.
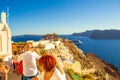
(5, 37)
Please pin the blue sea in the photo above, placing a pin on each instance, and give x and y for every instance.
(106, 49)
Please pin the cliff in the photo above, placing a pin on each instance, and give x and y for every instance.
(77, 65)
(104, 67)
(106, 34)
(100, 34)
(86, 33)
(91, 66)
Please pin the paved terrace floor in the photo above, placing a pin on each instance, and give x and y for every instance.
(13, 76)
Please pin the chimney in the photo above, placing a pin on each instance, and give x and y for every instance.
(3, 17)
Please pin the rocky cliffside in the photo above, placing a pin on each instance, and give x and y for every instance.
(106, 69)
(91, 66)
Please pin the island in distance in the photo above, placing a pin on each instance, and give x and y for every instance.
(100, 34)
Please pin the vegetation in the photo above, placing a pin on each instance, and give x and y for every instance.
(77, 76)
(73, 75)
(42, 52)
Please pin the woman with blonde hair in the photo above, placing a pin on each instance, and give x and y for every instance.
(28, 58)
(27, 46)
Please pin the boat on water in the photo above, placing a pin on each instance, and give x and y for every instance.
(77, 42)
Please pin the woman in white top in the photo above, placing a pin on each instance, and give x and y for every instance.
(49, 70)
(29, 62)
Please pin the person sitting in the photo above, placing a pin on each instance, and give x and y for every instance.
(49, 71)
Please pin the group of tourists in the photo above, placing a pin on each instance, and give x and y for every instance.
(50, 68)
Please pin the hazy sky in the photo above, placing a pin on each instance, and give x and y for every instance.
(61, 16)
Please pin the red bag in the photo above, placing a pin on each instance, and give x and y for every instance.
(20, 67)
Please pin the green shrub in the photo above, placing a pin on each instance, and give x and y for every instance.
(75, 76)
(70, 72)
(42, 52)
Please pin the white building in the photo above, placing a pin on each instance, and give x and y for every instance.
(5, 37)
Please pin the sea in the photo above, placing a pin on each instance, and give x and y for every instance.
(106, 49)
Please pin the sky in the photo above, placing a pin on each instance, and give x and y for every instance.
(41, 17)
